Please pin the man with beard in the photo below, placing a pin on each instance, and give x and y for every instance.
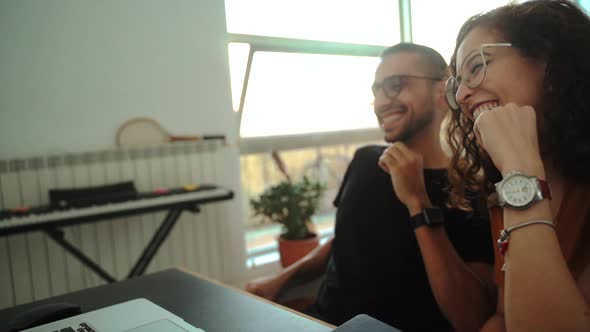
(399, 254)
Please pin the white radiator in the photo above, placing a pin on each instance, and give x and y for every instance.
(33, 267)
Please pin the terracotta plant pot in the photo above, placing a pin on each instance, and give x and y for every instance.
(293, 250)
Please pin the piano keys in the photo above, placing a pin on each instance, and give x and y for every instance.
(76, 206)
(25, 219)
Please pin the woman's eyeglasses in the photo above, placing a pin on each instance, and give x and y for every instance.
(472, 73)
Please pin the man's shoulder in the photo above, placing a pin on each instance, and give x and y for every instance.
(369, 152)
(364, 176)
(366, 158)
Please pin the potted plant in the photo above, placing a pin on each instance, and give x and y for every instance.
(291, 204)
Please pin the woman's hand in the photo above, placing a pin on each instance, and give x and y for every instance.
(509, 135)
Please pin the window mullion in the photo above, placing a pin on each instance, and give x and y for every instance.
(405, 20)
(290, 45)
(245, 87)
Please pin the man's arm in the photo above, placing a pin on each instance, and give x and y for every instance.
(463, 292)
(497, 323)
(308, 268)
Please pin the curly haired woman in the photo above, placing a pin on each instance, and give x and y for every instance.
(520, 90)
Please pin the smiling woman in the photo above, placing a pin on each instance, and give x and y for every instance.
(520, 120)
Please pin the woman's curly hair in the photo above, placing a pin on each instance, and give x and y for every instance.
(557, 33)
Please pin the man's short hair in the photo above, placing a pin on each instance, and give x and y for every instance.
(431, 58)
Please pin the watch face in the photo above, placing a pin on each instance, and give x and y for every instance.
(518, 191)
(433, 216)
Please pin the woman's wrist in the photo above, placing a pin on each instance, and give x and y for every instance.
(530, 167)
(539, 211)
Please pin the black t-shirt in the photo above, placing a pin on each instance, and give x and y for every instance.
(375, 266)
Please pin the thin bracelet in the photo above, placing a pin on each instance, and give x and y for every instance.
(505, 233)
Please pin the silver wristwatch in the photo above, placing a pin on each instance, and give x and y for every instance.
(519, 191)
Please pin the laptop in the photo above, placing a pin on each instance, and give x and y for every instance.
(139, 315)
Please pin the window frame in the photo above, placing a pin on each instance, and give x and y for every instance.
(302, 46)
(299, 46)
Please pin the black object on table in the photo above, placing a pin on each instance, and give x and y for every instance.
(204, 304)
(363, 323)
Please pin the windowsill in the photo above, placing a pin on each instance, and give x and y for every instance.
(251, 145)
(261, 241)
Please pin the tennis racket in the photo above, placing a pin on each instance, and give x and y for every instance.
(147, 131)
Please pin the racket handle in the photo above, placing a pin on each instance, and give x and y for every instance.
(195, 138)
(214, 137)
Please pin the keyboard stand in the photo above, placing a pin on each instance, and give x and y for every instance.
(161, 234)
(58, 236)
(52, 223)
(146, 256)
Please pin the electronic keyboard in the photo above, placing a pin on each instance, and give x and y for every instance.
(38, 218)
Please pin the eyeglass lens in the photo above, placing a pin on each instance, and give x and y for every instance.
(472, 74)
(391, 86)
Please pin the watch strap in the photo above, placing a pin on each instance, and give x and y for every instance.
(545, 190)
(430, 217)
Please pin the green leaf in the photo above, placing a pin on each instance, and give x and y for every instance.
(291, 204)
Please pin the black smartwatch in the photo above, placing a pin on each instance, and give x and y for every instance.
(430, 217)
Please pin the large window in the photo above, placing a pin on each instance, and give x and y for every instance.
(433, 28)
(301, 73)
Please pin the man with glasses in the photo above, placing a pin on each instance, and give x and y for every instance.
(398, 253)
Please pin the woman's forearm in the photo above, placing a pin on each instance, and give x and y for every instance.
(540, 292)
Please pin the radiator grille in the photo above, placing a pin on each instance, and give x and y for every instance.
(34, 267)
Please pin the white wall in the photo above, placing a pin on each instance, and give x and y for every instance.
(71, 71)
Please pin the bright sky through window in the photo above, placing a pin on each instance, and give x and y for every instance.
(433, 28)
(373, 22)
(301, 93)
(585, 4)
